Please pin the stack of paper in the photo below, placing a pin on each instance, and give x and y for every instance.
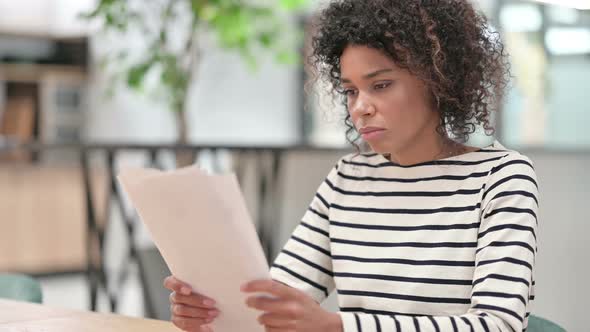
(201, 226)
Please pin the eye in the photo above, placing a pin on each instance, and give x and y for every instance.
(382, 85)
(349, 92)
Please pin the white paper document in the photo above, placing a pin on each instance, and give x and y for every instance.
(201, 226)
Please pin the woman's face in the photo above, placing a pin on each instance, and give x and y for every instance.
(388, 105)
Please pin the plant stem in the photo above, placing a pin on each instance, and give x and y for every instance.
(192, 54)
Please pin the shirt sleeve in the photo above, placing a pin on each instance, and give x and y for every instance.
(305, 262)
(505, 258)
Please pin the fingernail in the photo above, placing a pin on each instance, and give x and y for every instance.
(206, 329)
(185, 291)
(213, 313)
(209, 303)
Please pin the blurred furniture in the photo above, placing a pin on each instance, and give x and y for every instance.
(43, 215)
(18, 121)
(538, 324)
(20, 287)
(19, 316)
(42, 90)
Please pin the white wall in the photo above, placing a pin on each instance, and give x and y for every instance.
(229, 104)
(43, 17)
(234, 104)
(25, 15)
(563, 266)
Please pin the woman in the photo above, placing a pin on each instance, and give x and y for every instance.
(424, 233)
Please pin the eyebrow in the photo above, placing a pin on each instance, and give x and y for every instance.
(370, 75)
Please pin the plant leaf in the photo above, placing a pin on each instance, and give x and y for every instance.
(294, 4)
(137, 73)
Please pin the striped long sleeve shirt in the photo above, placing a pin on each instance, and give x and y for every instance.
(446, 245)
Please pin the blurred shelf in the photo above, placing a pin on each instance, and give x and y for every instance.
(41, 35)
(30, 73)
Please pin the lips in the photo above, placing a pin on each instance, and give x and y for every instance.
(371, 133)
(368, 130)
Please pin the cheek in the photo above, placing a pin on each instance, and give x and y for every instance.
(406, 106)
(402, 99)
(393, 108)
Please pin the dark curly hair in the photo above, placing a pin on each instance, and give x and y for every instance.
(445, 43)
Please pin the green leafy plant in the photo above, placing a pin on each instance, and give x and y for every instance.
(239, 25)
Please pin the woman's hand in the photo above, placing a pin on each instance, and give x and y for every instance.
(190, 311)
(290, 309)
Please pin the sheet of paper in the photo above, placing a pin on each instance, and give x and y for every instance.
(201, 226)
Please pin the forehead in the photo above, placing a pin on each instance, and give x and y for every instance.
(357, 59)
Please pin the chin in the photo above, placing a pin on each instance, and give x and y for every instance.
(385, 146)
(378, 148)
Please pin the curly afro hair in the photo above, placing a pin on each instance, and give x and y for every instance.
(445, 43)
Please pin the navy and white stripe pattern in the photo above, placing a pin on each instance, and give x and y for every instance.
(447, 245)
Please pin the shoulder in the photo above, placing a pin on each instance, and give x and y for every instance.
(512, 185)
(514, 172)
(511, 161)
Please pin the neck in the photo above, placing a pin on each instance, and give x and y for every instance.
(424, 148)
(419, 152)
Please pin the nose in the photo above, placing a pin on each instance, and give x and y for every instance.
(362, 107)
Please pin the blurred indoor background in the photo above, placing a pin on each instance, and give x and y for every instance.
(86, 89)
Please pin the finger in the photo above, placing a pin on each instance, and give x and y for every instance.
(193, 300)
(286, 308)
(271, 287)
(263, 303)
(189, 324)
(175, 285)
(193, 312)
(271, 320)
